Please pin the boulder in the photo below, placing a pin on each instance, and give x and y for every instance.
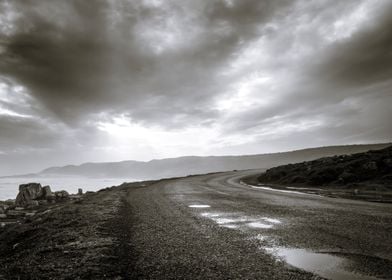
(51, 198)
(28, 192)
(32, 204)
(42, 202)
(80, 191)
(46, 192)
(15, 214)
(61, 195)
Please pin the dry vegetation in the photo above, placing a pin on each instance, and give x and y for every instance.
(361, 176)
(71, 240)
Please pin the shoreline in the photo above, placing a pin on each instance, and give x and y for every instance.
(9, 187)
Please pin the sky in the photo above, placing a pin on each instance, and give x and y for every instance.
(113, 80)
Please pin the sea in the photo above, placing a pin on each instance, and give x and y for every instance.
(9, 187)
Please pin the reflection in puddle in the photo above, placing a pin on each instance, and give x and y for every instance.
(325, 265)
(274, 221)
(221, 221)
(277, 190)
(259, 225)
(231, 226)
(261, 237)
(210, 215)
(236, 220)
(199, 206)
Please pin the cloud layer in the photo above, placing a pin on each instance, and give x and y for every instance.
(110, 80)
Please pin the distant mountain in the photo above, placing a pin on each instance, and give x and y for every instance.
(183, 166)
(370, 170)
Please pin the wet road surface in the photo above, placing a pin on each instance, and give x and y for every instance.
(215, 227)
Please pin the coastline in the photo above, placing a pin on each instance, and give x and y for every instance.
(9, 186)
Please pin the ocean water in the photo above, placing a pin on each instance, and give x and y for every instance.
(9, 187)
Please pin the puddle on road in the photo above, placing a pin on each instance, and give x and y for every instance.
(259, 225)
(274, 221)
(222, 221)
(277, 190)
(217, 218)
(239, 221)
(261, 237)
(199, 206)
(231, 226)
(324, 265)
(210, 215)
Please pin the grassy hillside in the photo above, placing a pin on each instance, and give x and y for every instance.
(370, 170)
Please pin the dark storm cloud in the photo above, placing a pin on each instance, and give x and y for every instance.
(19, 133)
(62, 58)
(336, 86)
(81, 58)
(365, 58)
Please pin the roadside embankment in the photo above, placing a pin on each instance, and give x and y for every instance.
(72, 239)
(363, 176)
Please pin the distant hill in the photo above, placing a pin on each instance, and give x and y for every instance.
(183, 166)
(370, 170)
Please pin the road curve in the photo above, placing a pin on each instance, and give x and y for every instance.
(214, 227)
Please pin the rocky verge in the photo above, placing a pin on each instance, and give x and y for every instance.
(32, 198)
(65, 237)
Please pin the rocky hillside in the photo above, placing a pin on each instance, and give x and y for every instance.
(369, 170)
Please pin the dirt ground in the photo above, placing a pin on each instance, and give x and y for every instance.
(73, 240)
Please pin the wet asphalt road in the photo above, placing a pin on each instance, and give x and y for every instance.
(214, 227)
